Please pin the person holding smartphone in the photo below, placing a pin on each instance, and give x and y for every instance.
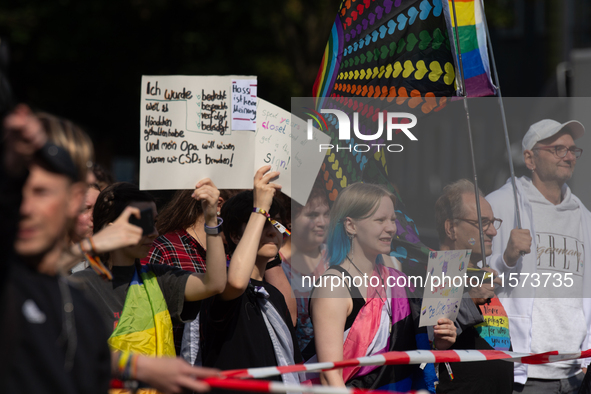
(140, 303)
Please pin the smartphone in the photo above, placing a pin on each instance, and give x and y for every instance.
(146, 221)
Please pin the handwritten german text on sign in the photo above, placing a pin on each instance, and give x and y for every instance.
(187, 134)
(244, 104)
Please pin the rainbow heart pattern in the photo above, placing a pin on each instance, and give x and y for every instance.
(397, 52)
(368, 39)
(369, 34)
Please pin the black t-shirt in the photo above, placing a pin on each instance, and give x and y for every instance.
(41, 339)
(234, 334)
(109, 296)
(494, 377)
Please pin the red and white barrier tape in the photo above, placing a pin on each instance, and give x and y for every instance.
(232, 379)
(277, 387)
(411, 357)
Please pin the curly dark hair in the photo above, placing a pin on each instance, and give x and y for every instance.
(236, 212)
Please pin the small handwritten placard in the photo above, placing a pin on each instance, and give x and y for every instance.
(281, 141)
(444, 285)
(186, 133)
(244, 104)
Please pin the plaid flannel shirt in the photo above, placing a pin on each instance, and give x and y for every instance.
(181, 250)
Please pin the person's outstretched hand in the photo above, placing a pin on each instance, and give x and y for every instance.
(264, 189)
(24, 135)
(172, 375)
(208, 194)
(118, 234)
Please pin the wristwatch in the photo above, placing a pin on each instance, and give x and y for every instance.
(214, 230)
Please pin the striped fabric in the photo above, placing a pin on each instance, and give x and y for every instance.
(473, 46)
(495, 328)
(385, 322)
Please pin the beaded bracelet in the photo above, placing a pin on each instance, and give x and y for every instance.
(262, 212)
(280, 227)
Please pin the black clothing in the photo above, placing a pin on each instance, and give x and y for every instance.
(234, 334)
(356, 297)
(109, 296)
(44, 336)
(273, 263)
(494, 377)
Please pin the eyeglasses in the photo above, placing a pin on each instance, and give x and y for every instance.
(560, 150)
(485, 223)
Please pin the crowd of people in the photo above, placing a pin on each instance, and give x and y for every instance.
(102, 291)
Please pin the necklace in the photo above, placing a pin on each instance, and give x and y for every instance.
(388, 305)
(353, 264)
(197, 237)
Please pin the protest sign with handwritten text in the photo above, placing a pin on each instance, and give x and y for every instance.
(444, 285)
(187, 133)
(281, 142)
(244, 104)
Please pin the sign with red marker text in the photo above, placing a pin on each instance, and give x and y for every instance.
(281, 142)
(187, 132)
(244, 104)
(444, 285)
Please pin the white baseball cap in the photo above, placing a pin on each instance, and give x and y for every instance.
(546, 128)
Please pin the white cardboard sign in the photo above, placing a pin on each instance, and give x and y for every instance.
(442, 297)
(187, 133)
(281, 141)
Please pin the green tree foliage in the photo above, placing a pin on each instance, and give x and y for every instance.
(84, 59)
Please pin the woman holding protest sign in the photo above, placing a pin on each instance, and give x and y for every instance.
(182, 244)
(375, 317)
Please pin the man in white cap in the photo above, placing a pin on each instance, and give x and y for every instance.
(546, 294)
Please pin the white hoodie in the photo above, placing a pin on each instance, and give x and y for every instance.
(517, 300)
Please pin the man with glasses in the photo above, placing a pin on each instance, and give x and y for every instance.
(548, 299)
(482, 323)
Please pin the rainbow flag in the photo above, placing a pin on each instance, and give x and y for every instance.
(331, 60)
(404, 48)
(388, 49)
(473, 46)
(145, 326)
